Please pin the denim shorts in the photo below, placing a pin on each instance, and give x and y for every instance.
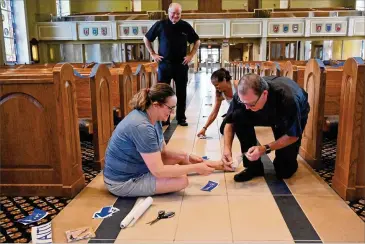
(144, 185)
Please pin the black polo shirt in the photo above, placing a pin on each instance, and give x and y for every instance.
(285, 109)
(173, 39)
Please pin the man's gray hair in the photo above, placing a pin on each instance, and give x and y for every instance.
(254, 82)
(174, 5)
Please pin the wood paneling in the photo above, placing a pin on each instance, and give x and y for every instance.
(211, 6)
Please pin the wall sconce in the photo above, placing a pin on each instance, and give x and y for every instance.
(34, 50)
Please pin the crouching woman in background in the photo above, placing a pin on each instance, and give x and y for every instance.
(137, 162)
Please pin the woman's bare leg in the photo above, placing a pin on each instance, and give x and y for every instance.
(166, 185)
(170, 160)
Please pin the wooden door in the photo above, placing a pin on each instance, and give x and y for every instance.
(165, 4)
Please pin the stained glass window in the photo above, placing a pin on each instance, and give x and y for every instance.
(7, 12)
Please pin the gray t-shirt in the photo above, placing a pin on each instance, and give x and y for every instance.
(134, 135)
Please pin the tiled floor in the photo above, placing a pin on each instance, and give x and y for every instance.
(233, 212)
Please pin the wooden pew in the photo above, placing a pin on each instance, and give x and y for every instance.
(146, 72)
(127, 89)
(323, 85)
(349, 178)
(95, 107)
(291, 71)
(314, 85)
(151, 69)
(274, 69)
(40, 144)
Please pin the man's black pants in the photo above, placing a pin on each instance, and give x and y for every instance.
(285, 162)
(179, 73)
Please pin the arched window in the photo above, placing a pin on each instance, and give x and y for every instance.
(7, 11)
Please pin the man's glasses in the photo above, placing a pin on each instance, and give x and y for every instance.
(250, 105)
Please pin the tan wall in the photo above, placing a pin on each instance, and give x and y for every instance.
(225, 54)
(187, 4)
(38, 10)
(151, 5)
(234, 4)
(271, 3)
(337, 50)
(351, 48)
(100, 5)
(256, 51)
(319, 3)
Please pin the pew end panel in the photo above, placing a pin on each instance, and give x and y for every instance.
(102, 112)
(126, 89)
(40, 144)
(151, 69)
(314, 85)
(275, 69)
(349, 176)
(291, 71)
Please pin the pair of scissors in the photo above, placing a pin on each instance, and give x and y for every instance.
(162, 215)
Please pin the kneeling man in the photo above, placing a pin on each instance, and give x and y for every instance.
(277, 102)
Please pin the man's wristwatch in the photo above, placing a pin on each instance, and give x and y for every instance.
(268, 149)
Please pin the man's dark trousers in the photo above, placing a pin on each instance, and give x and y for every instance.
(285, 162)
(179, 73)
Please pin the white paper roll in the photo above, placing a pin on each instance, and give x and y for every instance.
(136, 212)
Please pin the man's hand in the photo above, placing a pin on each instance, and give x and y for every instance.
(255, 152)
(227, 167)
(157, 57)
(187, 59)
(227, 157)
(219, 165)
(195, 159)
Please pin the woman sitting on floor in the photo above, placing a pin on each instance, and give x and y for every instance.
(225, 89)
(137, 162)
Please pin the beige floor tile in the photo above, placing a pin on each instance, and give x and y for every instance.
(163, 230)
(236, 146)
(306, 182)
(204, 218)
(202, 242)
(211, 145)
(142, 241)
(91, 199)
(264, 134)
(216, 155)
(257, 218)
(185, 145)
(196, 182)
(256, 186)
(188, 132)
(333, 219)
(264, 242)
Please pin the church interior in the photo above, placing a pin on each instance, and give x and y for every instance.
(69, 68)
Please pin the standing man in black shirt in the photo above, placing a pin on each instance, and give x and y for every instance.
(277, 102)
(173, 35)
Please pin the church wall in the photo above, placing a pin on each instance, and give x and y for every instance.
(150, 5)
(187, 4)
(100, 6)
(320, 3)
(234, 4)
